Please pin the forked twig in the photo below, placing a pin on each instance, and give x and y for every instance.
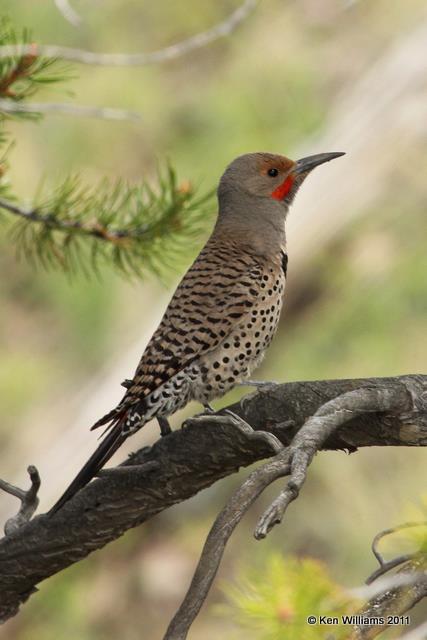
(29, 501)
(312, 436)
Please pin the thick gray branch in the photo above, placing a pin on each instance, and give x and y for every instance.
(188, 461)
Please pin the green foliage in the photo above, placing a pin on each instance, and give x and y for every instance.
(133, 227)
(77, 228)
(275, 601)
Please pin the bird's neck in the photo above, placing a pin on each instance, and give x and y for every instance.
(253, 222)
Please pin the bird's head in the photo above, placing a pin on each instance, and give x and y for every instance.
(269, 176)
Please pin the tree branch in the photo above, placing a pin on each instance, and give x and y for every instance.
(190, 460)
(63, 108)
(386, 566)
(132, 227)
(293, 461)
(221, 30)
(68, 13)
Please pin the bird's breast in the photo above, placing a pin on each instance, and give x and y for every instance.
(242, 350)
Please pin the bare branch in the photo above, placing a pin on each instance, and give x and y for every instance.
(67, 11)
(190, 460)
(221, 30)
(218, 537)
(312, 436)
(63, 108)
(29, 501)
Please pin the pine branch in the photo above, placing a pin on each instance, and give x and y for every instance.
(133, 227)
(23, 73)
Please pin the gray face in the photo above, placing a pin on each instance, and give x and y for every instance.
(260, 174)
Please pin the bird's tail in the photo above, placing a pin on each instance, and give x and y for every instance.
(109, 445)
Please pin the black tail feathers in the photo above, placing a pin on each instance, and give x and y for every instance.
(109, 445)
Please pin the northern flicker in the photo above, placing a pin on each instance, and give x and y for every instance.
(225, 311)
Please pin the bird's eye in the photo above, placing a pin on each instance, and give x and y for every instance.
(273, 172)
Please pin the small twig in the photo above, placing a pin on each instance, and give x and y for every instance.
(313, 435)
(388, 566)
(218, 536)
(67, 11)
(221, 30)
(395, 562)
(103, 113)
(29, 501)
(388, 532)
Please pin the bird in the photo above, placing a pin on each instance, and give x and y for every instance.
(224, 313)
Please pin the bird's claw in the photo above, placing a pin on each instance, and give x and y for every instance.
(232, 419)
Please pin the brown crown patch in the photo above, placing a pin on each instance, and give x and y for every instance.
(275, 162)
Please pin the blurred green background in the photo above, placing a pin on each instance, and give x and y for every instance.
(296, 77)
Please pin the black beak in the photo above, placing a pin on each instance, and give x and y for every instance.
(307, 164)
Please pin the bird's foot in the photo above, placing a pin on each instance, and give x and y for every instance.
(165, 428)
(230, 418)
(208, 411)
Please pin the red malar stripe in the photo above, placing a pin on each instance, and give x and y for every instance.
(283, 189)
